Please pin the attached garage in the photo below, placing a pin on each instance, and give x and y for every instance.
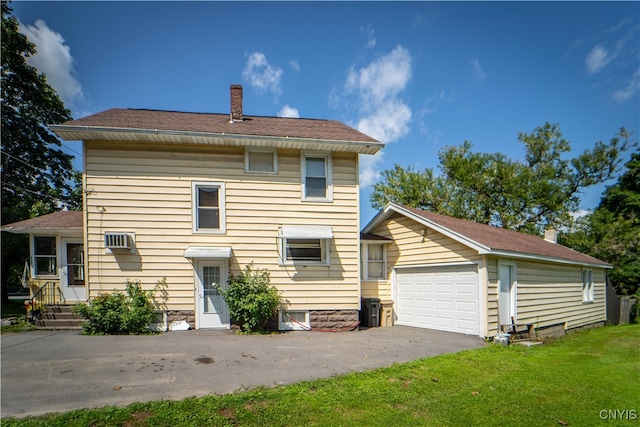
(443, 298)
(448, 274)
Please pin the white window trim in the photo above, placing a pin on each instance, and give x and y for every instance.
(365, 258)
(194, 207)
(285, 324)
(34, 267)
(588, 290)
(328, 170)
(249, 150)
(324, 250)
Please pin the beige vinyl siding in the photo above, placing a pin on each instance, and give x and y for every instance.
(548, 294)
(411, 248)
(146, 189)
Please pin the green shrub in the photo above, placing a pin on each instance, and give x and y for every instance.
(251, 299)
(118, 314)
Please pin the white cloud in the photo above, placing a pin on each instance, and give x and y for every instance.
(478, 72)
(375, 89)
(382, 79)
(371, 38)
(597, 59)
(370, 168)
(295, 65)
(288, 111)
(633, 86)
(262, 75)
(388, 122)
(53, 58)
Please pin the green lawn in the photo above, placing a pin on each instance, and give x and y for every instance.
(565, 382)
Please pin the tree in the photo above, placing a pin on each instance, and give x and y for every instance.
(529, 196)
(612, 231)
(37, 176)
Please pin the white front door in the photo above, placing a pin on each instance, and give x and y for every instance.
(212, 309)
(507, 294)
(72, 282)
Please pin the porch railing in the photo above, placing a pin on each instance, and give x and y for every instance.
(47, 294)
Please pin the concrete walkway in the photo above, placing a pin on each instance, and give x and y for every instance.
(58, 371)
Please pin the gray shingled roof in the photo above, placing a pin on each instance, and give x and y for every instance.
(140, 119)
(55, 220)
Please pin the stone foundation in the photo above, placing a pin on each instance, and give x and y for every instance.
(188, 316)
(333, 319)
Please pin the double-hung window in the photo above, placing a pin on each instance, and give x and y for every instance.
(208, 207)
(44, 256)
(316, 177)
(375, 267)
(261, 160)
(587, 286)
(305, 245)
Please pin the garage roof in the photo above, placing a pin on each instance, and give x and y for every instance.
(487, 239)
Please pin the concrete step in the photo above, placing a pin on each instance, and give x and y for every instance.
(58, 317)
(58, 324)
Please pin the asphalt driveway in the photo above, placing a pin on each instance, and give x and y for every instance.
(57, 371)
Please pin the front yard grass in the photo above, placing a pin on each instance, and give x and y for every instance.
(576, 380)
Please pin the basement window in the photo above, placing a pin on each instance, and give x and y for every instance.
(293, 321)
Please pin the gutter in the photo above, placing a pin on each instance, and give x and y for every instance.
(66, 132)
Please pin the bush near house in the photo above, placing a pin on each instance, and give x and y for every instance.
(251, 299)
(117, 313)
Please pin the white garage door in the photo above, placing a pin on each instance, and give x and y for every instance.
(442, 298)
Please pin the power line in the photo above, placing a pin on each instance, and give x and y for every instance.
(30, 165)
(37, 193)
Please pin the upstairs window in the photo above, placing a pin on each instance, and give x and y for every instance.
(261, 160)
(587, 286)
(44, 254)
(316, 177)
(208, 208)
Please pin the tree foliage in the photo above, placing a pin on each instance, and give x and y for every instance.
(527, 196)
(612, 231)
(37, 176)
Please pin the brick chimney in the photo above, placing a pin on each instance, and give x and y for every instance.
(551, 235)
(236, 103)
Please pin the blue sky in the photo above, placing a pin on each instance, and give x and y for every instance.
(416, 75)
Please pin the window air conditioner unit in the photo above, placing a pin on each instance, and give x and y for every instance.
(117, 241)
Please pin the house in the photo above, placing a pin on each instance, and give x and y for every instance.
(194, 197)
(455, 275)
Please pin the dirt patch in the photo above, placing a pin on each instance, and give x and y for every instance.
(228, 413)
(204, 360)
(254, 406)
(138, 419)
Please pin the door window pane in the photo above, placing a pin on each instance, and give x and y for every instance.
(75, 264)
(210, 278)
